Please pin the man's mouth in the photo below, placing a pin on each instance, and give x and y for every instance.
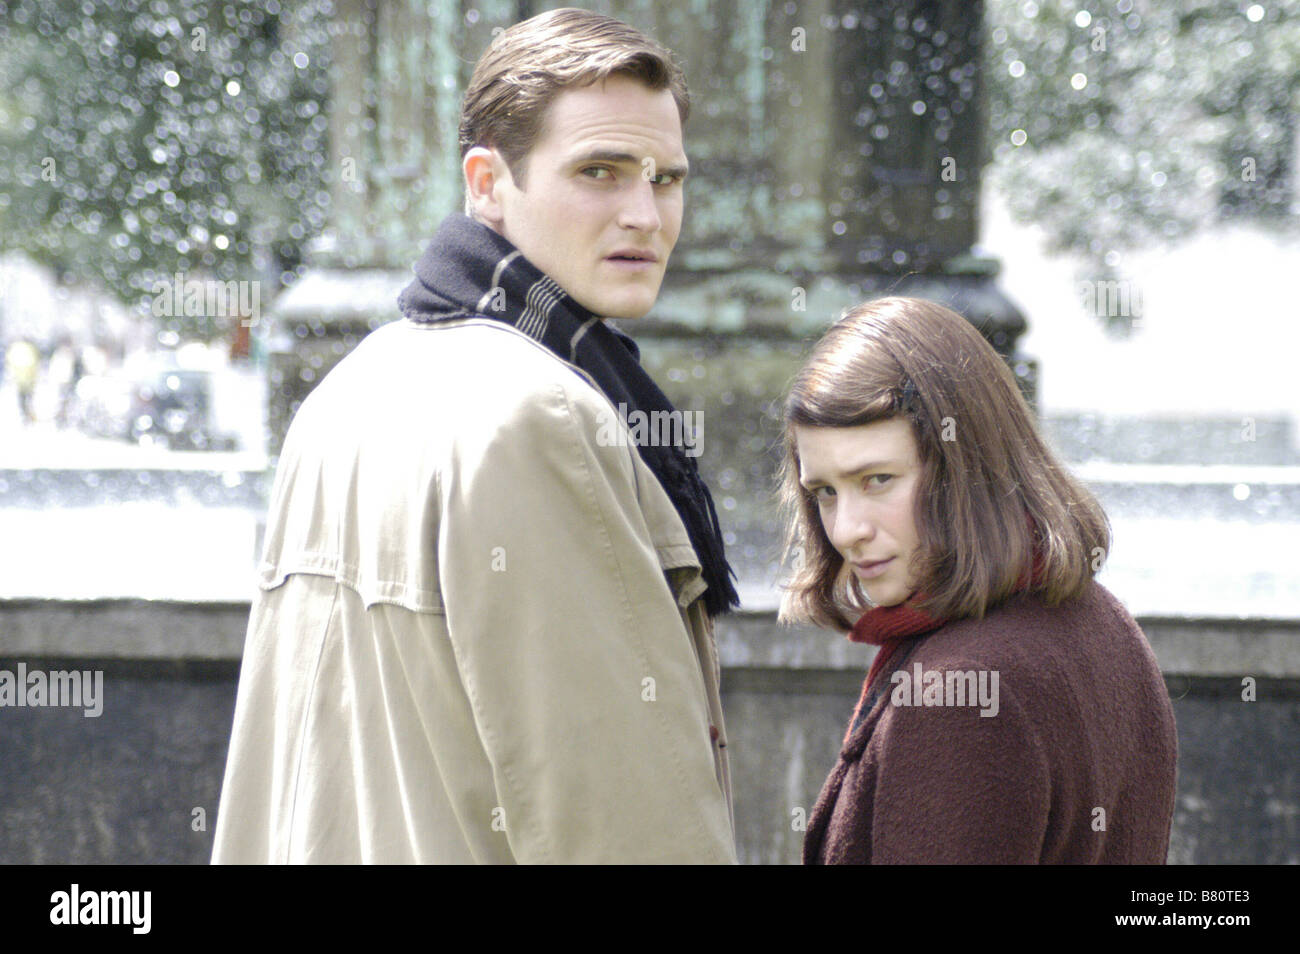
(633, 255)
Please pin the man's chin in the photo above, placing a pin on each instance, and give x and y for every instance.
(622, 308)
(620, 315)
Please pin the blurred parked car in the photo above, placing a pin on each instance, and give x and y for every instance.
(162, 405)
(101, 406)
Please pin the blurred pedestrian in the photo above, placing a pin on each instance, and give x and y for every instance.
(65, 370)
(23, 364)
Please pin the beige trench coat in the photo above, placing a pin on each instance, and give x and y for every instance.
(477, 635)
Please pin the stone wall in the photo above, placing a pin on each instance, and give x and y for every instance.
(125, 787)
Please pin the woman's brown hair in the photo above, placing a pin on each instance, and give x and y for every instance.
(991, 494)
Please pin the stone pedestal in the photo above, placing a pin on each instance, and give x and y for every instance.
(835, 152)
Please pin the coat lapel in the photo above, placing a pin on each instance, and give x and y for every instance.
(824, 808)
(850, 754)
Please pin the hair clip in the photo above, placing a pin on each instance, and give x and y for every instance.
(909, 395)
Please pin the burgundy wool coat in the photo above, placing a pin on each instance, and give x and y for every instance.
(1077, 766)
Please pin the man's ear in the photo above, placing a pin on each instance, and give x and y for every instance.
(486, 174)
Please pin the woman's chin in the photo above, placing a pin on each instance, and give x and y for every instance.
(887, 598)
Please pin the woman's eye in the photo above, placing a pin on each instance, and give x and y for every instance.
(882, 480)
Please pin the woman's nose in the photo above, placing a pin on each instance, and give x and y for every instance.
(854, 527)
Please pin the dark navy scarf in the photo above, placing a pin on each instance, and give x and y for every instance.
(470, 270)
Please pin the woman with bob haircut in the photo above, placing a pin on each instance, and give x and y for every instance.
(1014, 712)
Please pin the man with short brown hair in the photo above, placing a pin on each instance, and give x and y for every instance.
(484, 631)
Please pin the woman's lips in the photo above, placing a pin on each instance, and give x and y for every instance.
(867, 571)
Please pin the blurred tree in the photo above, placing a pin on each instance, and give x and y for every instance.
(141, 138)
(1115, 125)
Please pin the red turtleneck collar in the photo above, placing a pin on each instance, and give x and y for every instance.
(889, 626)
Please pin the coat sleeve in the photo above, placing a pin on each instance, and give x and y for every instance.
(957, 787)
(584, 684)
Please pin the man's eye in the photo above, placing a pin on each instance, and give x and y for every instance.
(667, 178)
(593, 172)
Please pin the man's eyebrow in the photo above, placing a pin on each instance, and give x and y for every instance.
(810, 479)
(610, 155)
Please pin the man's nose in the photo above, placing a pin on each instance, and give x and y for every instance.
(640, 209)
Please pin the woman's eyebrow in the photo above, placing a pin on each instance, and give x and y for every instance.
(870, 465)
